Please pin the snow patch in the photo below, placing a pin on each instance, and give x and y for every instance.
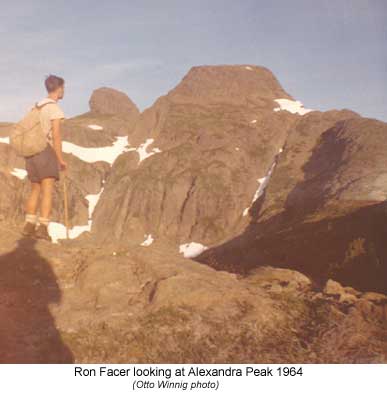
(262, 186)
(293, 106)
(263, 183)
(246, 211)
(148, 240)
(57, 231)
(95, 127)
(236, 148)
(93, 200)
(248, 68)
(142, 150)
(254, 121)
(107, 154)
(190, 250)
(19, 173)
(94, 154)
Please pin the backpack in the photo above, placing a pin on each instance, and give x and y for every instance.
(27, 136)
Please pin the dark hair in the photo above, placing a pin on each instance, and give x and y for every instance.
(53, 82)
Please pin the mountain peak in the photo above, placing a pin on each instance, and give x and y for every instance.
(111, 101)
(228, 83)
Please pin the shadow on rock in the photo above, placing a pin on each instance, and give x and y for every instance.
(316, 233)
(27, 328)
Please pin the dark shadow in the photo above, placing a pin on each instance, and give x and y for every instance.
(313, 192)
(27, 328)
(345, 240)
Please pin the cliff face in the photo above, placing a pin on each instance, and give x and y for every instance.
(210, 140)
(324, 210)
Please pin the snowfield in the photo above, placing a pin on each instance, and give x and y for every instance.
(293, 106)
(107, 154)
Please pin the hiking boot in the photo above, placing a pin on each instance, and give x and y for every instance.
(29, 229)
(42, 233)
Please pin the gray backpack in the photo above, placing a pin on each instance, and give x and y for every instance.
(27, 136)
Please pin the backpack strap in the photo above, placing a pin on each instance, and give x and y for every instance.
(41, 106)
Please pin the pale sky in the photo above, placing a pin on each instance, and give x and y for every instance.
(328, 54)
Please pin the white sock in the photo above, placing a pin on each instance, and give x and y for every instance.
(33, 218)
(44, 221)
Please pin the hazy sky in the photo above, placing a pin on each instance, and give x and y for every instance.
(326, 53)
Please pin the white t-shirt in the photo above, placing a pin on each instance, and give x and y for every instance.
(47, 114)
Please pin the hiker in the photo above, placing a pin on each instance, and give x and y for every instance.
(43, 168)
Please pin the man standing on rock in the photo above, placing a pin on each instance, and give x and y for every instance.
(43, 168)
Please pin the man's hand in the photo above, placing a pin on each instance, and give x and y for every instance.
(62, 165)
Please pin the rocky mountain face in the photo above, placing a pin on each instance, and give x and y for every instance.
(211, 139)
(324, 209)
(281, 208)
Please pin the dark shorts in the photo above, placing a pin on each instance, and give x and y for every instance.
(43, 165)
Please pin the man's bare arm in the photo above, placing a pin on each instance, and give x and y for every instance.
(57, 142)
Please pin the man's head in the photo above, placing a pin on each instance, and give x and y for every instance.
(55, 86)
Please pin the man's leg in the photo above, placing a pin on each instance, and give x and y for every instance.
(33, 199)
(47, 187)
(31, 207)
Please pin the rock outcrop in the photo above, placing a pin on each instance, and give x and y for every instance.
(134, 304)
(324, 210)
(109, 101)
(290, 167)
